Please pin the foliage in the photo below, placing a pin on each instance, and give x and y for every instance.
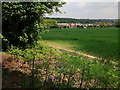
(117, 23)
(104, 74)
(56, 70)
(65, 26)
(105, 24)
(22, 21)
(80, 26)
(38, 52)
(73, 20)
(49, 23)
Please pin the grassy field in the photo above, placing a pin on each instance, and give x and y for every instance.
(100, 42)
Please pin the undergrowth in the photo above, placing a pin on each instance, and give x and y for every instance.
(52, 69)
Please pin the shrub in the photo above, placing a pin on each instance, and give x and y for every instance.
(22, 21)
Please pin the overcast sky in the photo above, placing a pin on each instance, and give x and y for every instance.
(89, 10)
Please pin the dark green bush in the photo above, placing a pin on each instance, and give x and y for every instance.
(21, 22)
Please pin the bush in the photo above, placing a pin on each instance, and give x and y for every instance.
(38, 52)
(82, 26)
(56, 26)
(22, 22)
(78, 26)
(64, 26)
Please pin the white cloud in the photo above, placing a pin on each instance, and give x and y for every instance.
(89, 10)
(81, 4)
(91, 0)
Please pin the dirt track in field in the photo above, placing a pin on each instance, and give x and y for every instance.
(58, 46)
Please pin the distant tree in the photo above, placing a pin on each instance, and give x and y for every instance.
(78, 26)
(102, 24)
(117, 23)
(89, 26)
(49, 23)
(105, 24)
(82, 26)
(94, 25)
(64, 26)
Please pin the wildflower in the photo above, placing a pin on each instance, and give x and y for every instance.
(51, 77)
(39, 63)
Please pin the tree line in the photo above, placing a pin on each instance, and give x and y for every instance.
(83, 21)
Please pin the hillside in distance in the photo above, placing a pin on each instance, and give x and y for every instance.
(73, 20)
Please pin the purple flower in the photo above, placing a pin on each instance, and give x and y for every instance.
(50, 77)
(39, 63)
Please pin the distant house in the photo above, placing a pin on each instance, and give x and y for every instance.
(63, 24)
(74, 25)
(69, 24)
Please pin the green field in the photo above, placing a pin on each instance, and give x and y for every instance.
(100, 42)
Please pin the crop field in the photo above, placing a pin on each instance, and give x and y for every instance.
(100, 42)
